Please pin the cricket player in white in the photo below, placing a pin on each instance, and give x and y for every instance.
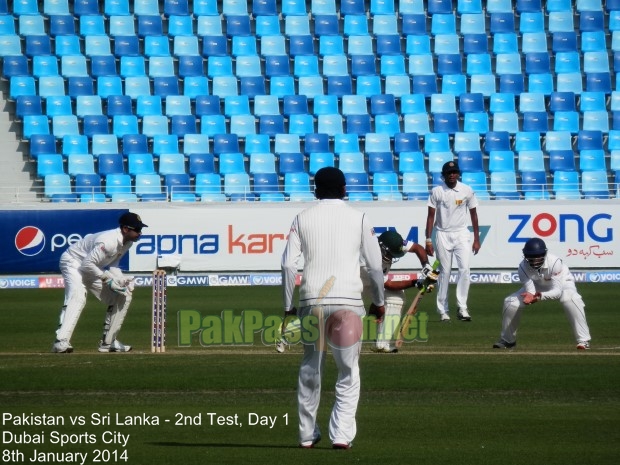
(543, 276)
(393, 247)
(91, 264)
(448, 208)
(332, 237)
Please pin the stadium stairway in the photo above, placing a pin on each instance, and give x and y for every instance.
(16, 176)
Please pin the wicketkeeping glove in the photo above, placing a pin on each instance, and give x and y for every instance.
(117, 285)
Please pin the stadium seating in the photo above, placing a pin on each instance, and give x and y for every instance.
(508, 85)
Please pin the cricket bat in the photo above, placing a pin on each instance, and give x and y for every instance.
(427, 285)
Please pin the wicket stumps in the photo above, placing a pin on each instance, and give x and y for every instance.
(158, 341)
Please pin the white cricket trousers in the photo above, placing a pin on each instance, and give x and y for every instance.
(449, 246)
(342, 424)
(75, 297)
(571, 300)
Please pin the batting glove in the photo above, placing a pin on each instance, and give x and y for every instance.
(117, 285)
(426, 270)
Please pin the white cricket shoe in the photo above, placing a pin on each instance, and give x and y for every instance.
(444, 318)
(116, 346)
(281, 345)
(62, 347)
(584, 345)
(463, 314)
(384, 349)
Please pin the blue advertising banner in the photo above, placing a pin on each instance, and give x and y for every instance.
(31, 241)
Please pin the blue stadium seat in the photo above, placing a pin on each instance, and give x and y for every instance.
(339, 85)
(331, 44)
(566, 121)
(386, 183)
(58, 187)
(380, 162)
(595, 121)
(110, 163)
(209, 186)
(417, 122)
(496, 140)
(124, 124)
(123, 46)
(346, 143)
(355, 124)
(410, 162)
(532, 141)
(357, 182)
(561, 160)
(477, 180)
(355, 25)
(595, 184)
(200, 163)
(534, 185)
(562, 101)
(56, 7)
(590, 140)
(242, 125)
(472, 23)
(318, 160)
(285, 143)
(134, 143)
(262, 163)
(225, 143)
(535, 121)
(592, 160)
(264, 183)
(501, 160)
(140, 163)
(257, 143)
(42, 143)
(28, 105)
(351, 162)
(436, 160)
(49, 163)
(541, 82)
(301, 124)
(295, 182)
(171, 163)
(475, 43)
(566, 185)
(55, 105)
(504, 185)
(192, 143)
(330, 124)
(564, 41)
(445, 123)
(182, 125)
(297, 25)
(271, 124)
(530, 160)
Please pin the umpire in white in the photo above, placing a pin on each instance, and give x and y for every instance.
(332, 237)
(91, 264)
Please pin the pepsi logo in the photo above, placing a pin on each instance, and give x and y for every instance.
(30, 241)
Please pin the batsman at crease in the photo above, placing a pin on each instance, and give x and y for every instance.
(393, 248)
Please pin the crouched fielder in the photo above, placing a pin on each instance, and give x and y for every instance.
(393, 247)
(91, 264)
(543, 277)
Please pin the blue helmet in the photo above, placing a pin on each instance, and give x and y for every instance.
(535, 251)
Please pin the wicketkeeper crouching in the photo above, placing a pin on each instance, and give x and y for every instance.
(91, 264)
